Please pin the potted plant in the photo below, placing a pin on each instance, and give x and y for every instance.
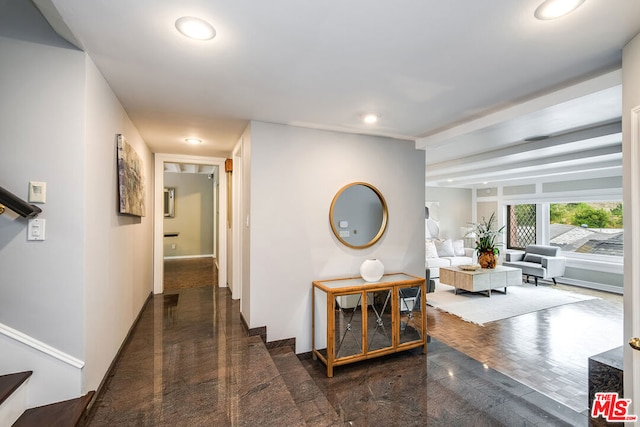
(486, 245)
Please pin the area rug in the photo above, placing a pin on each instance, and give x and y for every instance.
(480, 309)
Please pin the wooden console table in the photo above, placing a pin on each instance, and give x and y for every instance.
(394, 319)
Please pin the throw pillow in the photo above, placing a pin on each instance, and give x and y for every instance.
(430, 249)
(445, 248)
(458, 247)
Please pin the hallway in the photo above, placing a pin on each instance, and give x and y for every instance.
(188, 362)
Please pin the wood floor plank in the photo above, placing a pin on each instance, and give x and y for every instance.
(547, 350)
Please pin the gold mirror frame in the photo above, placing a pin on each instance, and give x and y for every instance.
(383, 225)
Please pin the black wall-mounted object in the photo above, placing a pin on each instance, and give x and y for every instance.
(18, 205)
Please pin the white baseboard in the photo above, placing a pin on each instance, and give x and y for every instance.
(40, 346)
(591, 285)
(190, 256)
(574, 282)
(54, 378)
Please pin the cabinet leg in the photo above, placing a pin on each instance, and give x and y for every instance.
(329, 371)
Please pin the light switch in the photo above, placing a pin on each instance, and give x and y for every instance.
(37, 192)
(35, 229)
(344, 233)
(343, 224)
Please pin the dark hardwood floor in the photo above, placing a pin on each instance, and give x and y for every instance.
(547, 350)
(189, 273)
(189, 362)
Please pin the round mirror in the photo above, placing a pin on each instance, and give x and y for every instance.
(358, 215)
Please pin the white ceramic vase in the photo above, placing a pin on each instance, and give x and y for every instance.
(372, 270)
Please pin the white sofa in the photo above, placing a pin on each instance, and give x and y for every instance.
(446, 253)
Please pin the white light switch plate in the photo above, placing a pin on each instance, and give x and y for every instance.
(37, 192)
(35, 229)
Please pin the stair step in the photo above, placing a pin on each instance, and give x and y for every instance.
(263, 393)
(311, 402)
(67, 413)
(10, 383)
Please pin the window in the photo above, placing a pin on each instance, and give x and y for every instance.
(521, 226)
(587, 227)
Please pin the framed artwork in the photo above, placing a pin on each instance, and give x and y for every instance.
(130, 179)
(169, 202)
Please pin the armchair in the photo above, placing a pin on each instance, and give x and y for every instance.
(539, 261)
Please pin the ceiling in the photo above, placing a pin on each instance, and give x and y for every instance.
(469, 81)
(190, 168)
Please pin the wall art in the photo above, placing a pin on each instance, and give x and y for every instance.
(130, 179)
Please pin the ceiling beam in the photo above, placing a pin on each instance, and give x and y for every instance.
(575, 142)
(586, 158)
(604, 81)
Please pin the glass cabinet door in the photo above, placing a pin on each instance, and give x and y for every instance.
(379, 324)
(348, 325)
(410, 324)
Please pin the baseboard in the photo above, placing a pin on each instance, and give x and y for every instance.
(40, 346)
(305, 356)
(291, 342)
(260, 331)
(190, 256)
(90, 410)
(590, 285)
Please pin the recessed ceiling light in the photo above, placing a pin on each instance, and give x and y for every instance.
(370, 118)
(195, 28)
(552, 9)
(193, 141)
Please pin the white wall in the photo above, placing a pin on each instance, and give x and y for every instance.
(80, 289)
(455, 209)
(193, 215)
(245, 233)
(41, 139)
(295, 173)
(631, 186)
(118, 248)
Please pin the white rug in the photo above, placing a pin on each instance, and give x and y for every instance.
(480, 309)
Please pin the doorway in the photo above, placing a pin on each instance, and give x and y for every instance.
(216, 236)
(190, 236)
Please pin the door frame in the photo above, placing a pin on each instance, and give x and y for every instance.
(631, 206)
(236, 223)
(158, 223)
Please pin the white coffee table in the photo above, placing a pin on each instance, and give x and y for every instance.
(482, 279)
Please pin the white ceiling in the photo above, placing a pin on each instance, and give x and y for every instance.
(189, 168)
(464, 78)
